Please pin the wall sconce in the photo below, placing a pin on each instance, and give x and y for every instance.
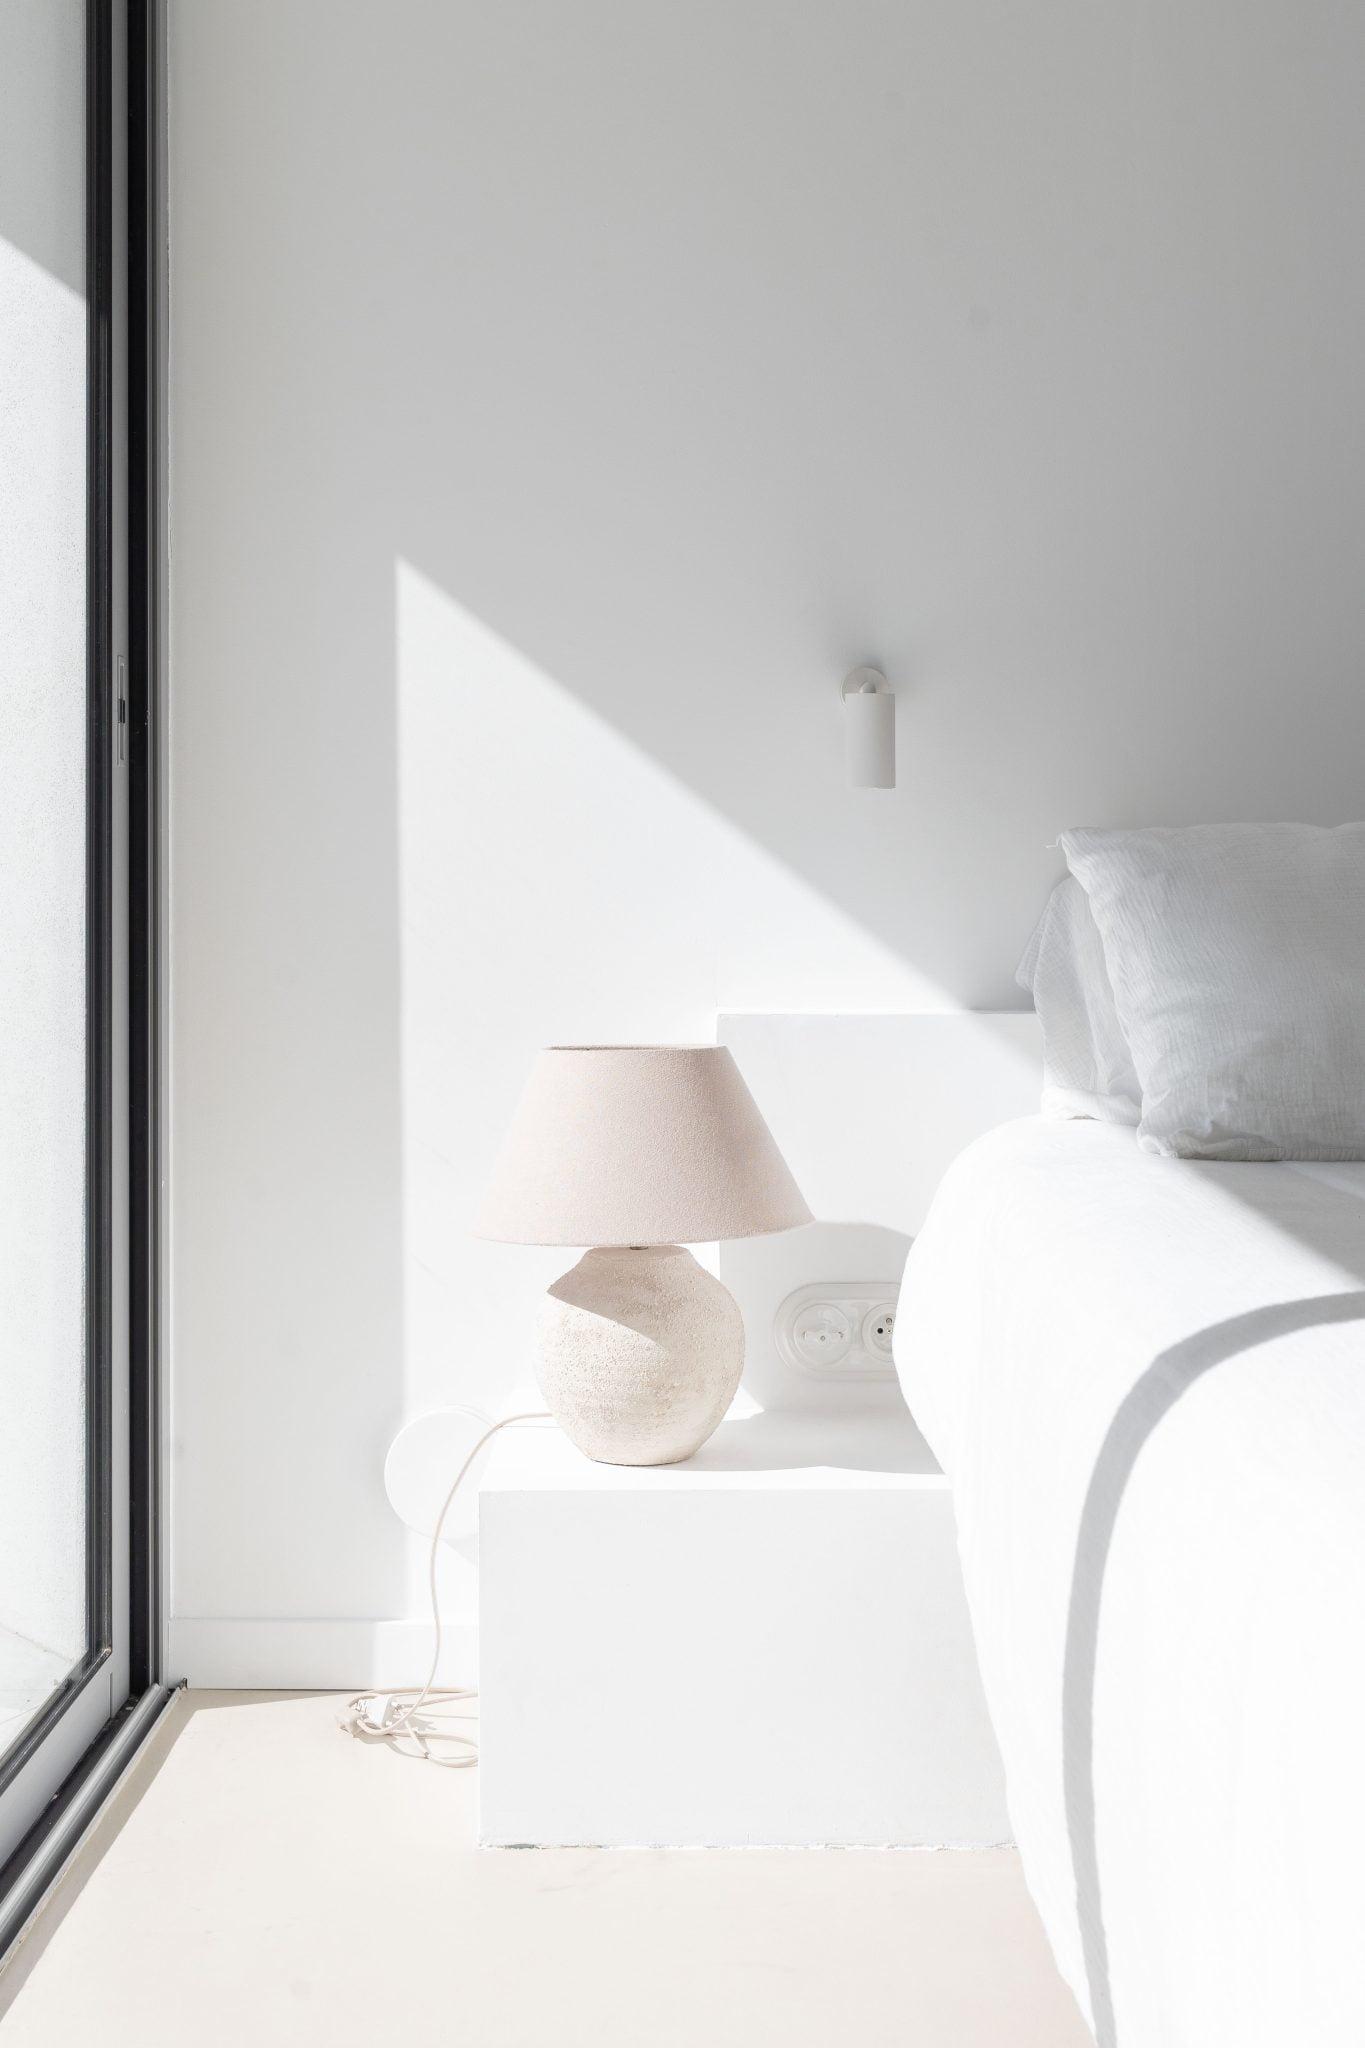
(869, 729)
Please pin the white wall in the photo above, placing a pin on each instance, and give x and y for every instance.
(562, 397)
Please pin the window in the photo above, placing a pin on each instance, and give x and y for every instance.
(78, 921)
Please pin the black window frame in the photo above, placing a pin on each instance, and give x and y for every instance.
(124, 251)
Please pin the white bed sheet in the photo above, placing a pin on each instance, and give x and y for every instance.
(1146, 1380)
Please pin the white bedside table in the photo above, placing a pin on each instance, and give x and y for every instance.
(768, 1644)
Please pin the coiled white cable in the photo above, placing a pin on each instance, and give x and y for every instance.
(381, 1716)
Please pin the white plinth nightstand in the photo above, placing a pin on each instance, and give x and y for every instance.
(768, 1644)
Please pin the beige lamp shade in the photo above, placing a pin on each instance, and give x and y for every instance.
(638, 1145)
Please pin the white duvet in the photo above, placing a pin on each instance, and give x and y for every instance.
(1146, 1380)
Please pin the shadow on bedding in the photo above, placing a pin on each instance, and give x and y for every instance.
(1146, 1405)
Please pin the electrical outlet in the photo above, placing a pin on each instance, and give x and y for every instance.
(838, 1330)
(878, 1328)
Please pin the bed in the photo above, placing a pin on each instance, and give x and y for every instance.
(1145, 1377)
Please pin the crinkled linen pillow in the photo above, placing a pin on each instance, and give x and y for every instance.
(1087, 1067)
(1237, 958)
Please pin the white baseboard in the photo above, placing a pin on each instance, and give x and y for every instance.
(337, 1655)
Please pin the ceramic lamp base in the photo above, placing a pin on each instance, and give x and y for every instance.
(641, 1354)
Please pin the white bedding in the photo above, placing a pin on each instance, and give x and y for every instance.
(1146, 1379)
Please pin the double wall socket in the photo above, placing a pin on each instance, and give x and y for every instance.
(838, 1329)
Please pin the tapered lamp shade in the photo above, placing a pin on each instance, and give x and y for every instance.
(638, 1145)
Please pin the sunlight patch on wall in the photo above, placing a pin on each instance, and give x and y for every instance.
(557, 884)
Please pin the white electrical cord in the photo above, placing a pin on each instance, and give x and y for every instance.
(381, 1716)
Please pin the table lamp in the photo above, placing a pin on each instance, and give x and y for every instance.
(636, 1151)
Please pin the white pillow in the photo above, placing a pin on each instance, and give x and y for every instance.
(1087, 1067)
(1237, 958)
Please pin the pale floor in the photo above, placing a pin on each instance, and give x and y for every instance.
(271, 1881)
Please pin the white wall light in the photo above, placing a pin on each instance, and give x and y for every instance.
(869, 729)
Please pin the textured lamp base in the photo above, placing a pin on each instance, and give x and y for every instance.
(641, 1354)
